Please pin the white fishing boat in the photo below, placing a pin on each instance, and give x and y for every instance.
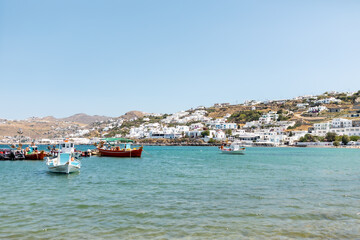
(234, 148)
(65, 161)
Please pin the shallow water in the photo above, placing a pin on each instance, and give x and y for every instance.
(188, 193)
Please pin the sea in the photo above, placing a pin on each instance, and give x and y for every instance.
(187, 193)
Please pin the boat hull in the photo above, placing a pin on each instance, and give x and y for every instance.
(121, 153)
(66, 168)
(35, 156)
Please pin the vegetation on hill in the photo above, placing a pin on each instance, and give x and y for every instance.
(245, 116)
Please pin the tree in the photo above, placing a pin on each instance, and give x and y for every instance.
(330, 137)
(282, 118)
(205, 133)
(228, 132)
(307, 138)
(345, 139)
(354, 138)
(336, 143)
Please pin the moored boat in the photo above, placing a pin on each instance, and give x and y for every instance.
(32, 153)
(111, 150)
(86, 153)
(5, 154)
(65, 161)
(11, 154)
(234, 148)
(121, 152)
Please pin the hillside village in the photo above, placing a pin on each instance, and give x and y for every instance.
(332, 118)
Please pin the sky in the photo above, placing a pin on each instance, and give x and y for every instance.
(104, 57)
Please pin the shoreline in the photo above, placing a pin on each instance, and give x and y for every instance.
(208, 145)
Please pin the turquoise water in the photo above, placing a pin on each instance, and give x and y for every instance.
(187, 193)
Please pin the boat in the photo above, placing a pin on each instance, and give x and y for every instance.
(65, 161)
(77, 154)
(11, 154)
(234, 148)
(32, 153)
(17, 154)
(5, 154)
(86, 153)
(127, 151)
(110, 150)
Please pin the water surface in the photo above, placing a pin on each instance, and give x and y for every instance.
(187, 193)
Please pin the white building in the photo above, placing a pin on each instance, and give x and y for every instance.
(317, 109)
(302, 105)
(320, 129)
(196, 126)
(339, 126)
(350, 131)
(252, 124)
(194, 133)
(341, 123)
(268, 118)
(328, 100)
(224, 126)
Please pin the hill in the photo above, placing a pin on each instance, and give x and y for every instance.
(84, 118)
(132, 115)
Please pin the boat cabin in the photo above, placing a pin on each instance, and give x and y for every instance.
(32, 148)
(67, 147)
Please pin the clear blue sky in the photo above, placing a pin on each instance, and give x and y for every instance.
(107, 57)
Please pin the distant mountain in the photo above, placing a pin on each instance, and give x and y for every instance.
(84, 118)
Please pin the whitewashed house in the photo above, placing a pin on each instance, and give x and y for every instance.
(268, 118)
(320, 129)
(341, 123)
(317, 109)
(194, 133)
(328, 100)
(196, 126)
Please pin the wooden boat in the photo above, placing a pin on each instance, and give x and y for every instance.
(35, 156)
(65, 161)
(32, 153)
(118, 152)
